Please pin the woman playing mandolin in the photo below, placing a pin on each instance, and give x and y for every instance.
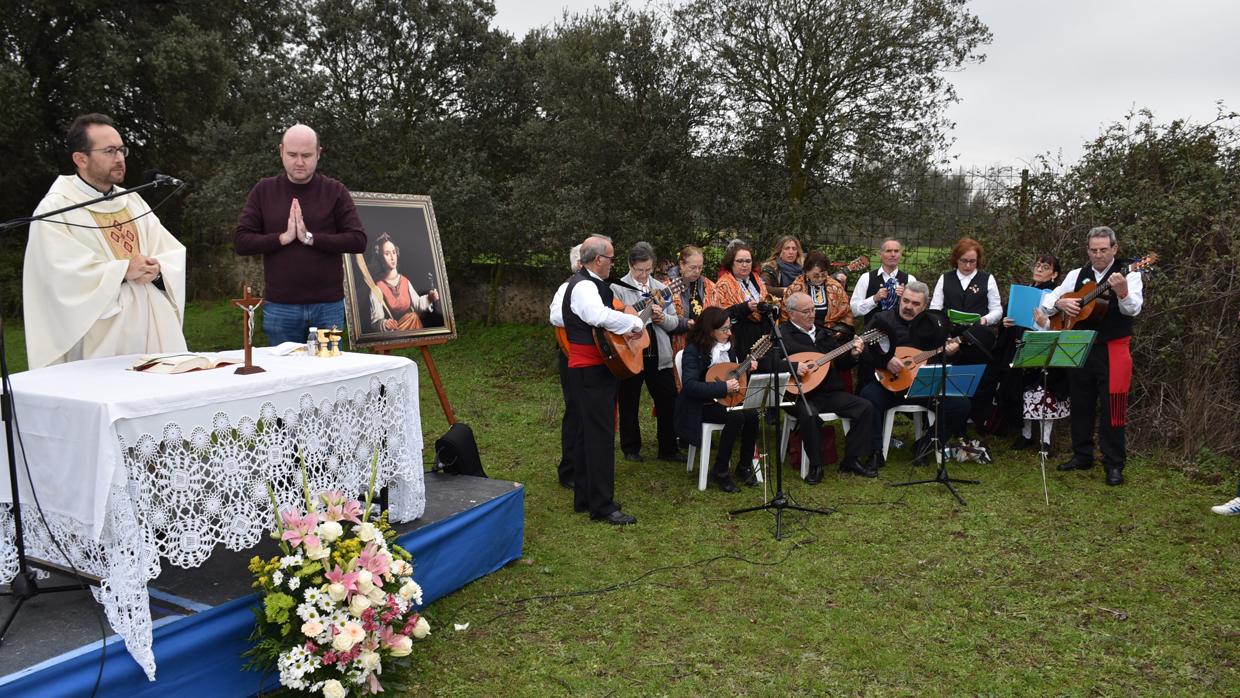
(394, 305)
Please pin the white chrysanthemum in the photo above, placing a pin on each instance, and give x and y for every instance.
(294, 583)
(277, 578)
(313, 595)
(306, 612)
(291, 561)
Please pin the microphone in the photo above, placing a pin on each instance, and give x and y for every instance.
(161, 179)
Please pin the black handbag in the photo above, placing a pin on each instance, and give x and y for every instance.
(456, 452)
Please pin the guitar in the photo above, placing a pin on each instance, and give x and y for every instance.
(912, 360)
(862, 262)
(740, 371)
(1093, 305)
(822, 362)
(621, 354)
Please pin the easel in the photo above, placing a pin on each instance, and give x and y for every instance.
(1065, 349)
(424, 347)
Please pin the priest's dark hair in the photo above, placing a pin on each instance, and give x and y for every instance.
(76, 140)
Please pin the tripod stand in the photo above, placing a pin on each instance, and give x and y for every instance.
(24, 585)
(779, 500)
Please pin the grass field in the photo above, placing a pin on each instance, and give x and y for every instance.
(1106, 591)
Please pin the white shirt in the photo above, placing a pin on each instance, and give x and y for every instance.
(994, 306)
(557, 306)
(1130, 305)
(588, 305)
(862, 301)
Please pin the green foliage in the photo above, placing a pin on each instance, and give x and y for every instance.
(276, 607)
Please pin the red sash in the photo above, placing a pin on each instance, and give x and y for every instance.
(1120, 378)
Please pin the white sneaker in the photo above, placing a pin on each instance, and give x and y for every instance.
(1231, 508)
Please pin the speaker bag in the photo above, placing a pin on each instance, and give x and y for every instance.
(456, 452)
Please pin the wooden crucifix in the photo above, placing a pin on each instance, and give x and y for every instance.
(248, 304)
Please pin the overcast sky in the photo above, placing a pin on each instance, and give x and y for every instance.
(1057, 71)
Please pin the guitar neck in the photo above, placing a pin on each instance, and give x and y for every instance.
(927, 355)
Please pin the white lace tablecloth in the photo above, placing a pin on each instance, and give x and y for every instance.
(132, 467)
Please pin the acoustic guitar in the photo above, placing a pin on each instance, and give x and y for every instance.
(862, 262)
(912, 359)
(621, 354)
(1093, 305)
(822, 362)
(725, 372)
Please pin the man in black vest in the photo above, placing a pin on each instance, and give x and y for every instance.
(880, 290)
(802, 335)
(591, 385)
(569, 426)
(1107, 374)
(897, 323)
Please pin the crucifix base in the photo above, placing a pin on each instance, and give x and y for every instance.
(247, 370)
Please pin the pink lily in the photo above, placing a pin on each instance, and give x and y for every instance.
(390, 638)
(299, 530)
(340, 508)
(348, 580)
(374, 560)
(373, 684)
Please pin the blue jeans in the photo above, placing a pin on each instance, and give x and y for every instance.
(291, 322)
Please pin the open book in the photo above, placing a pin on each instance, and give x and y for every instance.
(182, 362)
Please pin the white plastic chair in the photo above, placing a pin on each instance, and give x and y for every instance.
(790, 423)
(708, 434)
(915, 413)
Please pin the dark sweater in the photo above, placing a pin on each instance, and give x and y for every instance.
(299, 273)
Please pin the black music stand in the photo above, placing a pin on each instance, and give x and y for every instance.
(1043, 350)
(938, 383)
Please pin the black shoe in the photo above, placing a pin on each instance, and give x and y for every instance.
(582, 508)
(877, 461)
(850, 465)
(725, 482)
(814, 476)
(635, 457)
(616, 518)
(746, 477)
(1115, 476)
(1022, 443)
(1074, 464)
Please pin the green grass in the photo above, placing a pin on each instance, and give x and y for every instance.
(1106, 591)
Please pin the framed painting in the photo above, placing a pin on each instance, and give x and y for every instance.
(396, 292)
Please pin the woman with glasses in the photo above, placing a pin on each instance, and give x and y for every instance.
(710, 343)
(968, 289)
(740, 292)
(831, 303)
(697, 294)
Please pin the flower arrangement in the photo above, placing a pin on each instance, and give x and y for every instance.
(338, 602)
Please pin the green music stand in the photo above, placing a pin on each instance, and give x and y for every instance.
(1066, 349)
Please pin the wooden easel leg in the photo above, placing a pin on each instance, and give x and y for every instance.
(443, 397)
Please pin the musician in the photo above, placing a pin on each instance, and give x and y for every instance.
(880, 290)
(1100, 387)
(569, 424)
(636, 286)
(784, 265)
(803, 334)
(740, 292)
(394, 304)
(697, 293)
(709, 343)
(897, 323)
(968, 289)
(591, 385)
(831, 304)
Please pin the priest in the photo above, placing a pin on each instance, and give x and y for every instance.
(107, 279)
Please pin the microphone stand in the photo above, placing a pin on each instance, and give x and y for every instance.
(779, 500)
(24, 585)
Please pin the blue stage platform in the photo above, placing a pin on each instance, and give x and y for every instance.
(472, 527)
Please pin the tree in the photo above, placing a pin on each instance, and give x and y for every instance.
(817, 86)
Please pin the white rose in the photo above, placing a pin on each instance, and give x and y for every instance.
(411, 591)
(318, 552)
(422, 629)
(365, 581)
(337, 591)
(369, 660)
(367, 532)
(311, 628)
(376, 596)
(330, 530)
(398, 568)
(358, 604)
(333, 689)
(402, 647)
(343, 643)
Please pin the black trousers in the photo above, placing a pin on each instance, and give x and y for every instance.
(952, 415)
(570, 427)
(859, 439)
(742, 422)
(662, 387)
(592, 396)
(981, 405)
(1090, 388)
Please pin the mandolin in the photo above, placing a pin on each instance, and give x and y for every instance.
(740, 371)
(912, 359)
(822, 362)
(1093, 304)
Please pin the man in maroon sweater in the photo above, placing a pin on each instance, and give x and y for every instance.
(300, 222)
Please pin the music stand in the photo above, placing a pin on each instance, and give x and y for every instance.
(1065, 349)
(939, 382)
